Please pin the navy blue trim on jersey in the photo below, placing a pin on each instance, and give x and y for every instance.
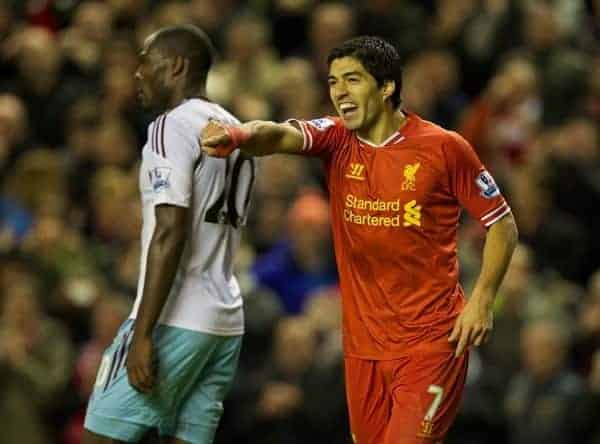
(158, 136)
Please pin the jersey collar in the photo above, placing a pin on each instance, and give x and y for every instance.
(396, 137)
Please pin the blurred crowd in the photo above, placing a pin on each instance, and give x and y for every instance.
(520, 79)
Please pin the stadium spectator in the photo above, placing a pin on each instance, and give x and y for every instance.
(541, 398)
(301, 263)
(35, 365)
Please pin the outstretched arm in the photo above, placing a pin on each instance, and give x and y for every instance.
(255, 138)
(474, 324)
(164, 254)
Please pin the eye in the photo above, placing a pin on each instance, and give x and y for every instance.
(331, 82)
(353, 80)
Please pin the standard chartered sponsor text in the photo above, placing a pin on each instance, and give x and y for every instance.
(354, 203)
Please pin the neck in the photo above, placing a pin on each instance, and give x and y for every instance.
(185, 92)
(387, 124)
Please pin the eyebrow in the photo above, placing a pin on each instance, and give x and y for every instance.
(346, 74)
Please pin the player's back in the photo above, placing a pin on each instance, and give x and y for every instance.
(205, 295)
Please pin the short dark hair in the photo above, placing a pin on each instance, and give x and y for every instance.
(190, 42)
(379, 58)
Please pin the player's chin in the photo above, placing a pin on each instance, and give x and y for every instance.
(143, 99)
(351, 123)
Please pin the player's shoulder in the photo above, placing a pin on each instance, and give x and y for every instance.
(440, 137)
(193, 114)
(326, 123)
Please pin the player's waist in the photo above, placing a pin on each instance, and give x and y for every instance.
(397, 350)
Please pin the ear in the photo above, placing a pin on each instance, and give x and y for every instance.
(388, 88)
(179, 67)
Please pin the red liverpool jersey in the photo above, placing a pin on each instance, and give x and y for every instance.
(395, 210)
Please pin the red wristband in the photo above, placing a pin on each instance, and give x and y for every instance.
(238, 135)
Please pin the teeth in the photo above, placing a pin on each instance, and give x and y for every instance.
(347, 106)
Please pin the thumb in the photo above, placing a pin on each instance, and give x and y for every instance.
(213, 141)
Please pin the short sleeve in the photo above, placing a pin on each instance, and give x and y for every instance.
(471, 184)
(321, 136)
(175, 154)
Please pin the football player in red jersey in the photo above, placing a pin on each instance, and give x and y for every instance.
(397, 184)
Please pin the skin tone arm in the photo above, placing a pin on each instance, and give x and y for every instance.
(255, 138)
(473, 325)
(164, 254)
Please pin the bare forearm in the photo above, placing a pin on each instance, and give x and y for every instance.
(500, 243)
(269, 137)
(164, 254)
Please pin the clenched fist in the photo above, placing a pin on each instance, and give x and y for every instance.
(220, 140)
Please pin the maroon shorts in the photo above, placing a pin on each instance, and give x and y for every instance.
(411, 400)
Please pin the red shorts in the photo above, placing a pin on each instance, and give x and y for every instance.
(411, 400)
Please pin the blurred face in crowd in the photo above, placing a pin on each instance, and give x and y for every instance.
(541, 27)
(114, 194)
(151, 76)
(300, 97)
(13, 121)
(357, 98)
(332, 23)
(515, 82)
(20, 306)
(441, 70)
(127, 7)
(295, 344)
(94, 20)
(115, 143)
(417, 91)
(251, 106)
(544, 346)
(308, 228)
(581, 137)
(39, 57)
(323, 310)
(171, 13)
(246, 38)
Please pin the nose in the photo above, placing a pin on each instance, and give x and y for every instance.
(138, 73)
(339, 91)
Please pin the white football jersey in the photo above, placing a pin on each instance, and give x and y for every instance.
(205, 295)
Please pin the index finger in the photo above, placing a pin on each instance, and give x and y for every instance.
(463, 342)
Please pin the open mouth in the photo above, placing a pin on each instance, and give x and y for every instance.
(348, 110)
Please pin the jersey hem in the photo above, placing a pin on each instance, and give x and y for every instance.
(212, 331)
(177, 203)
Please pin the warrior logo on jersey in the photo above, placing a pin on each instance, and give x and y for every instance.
(410, 179)
(356, 171)
(159, 178)
(488, 187)
(321, 124)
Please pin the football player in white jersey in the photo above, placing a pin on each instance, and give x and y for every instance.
(172, 362)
